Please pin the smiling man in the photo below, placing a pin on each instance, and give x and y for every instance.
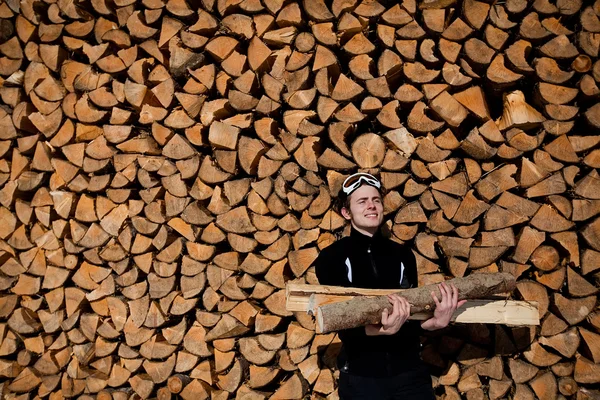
(379, 361)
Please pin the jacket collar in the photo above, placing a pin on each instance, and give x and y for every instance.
(362, 239)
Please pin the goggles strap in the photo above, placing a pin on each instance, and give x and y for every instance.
(362, 177)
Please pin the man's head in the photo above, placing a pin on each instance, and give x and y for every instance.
(362, 202)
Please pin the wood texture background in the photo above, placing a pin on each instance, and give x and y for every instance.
(167, 165)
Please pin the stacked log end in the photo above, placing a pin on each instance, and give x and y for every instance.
(168, 165)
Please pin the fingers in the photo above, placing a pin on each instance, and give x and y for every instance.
(393, 320)
(447, 305)
(384, 316)
(404, 309)
(443, 300)
(391, 297)
(454, 295)
(455, 303)
(435, 299)
(396, 310)
(406, 304)
(447, 298)
(389, 318)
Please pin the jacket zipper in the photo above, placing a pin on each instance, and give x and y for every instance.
(372, 262)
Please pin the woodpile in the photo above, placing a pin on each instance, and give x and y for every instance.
(168, 165)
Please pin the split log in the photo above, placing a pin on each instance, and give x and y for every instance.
(363, 311)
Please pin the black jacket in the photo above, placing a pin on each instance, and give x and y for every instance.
(377, 263)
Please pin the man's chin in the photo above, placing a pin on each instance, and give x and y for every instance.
(372, 224)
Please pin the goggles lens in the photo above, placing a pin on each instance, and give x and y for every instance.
(354, 181)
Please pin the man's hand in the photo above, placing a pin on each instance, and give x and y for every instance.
(391, 323)
(444, 308)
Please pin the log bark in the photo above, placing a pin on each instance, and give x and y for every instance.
(363, 311)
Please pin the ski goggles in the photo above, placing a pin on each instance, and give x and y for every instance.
(354, 181)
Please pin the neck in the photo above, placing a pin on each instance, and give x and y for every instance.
(366, 231)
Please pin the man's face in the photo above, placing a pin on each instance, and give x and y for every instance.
(366, 209)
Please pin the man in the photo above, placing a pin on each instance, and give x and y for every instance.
(379, 361)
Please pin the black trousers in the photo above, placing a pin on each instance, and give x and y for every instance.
(410, 385)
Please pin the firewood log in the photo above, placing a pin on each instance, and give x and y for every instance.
(585, 371)
(335, 317)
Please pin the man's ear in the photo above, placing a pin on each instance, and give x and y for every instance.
(346, 213)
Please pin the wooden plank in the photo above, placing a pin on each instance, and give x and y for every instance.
(306, 298)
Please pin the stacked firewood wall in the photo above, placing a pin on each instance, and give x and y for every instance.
(166, 166)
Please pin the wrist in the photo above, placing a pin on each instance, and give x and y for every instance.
(432, 324)
(438, 324)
